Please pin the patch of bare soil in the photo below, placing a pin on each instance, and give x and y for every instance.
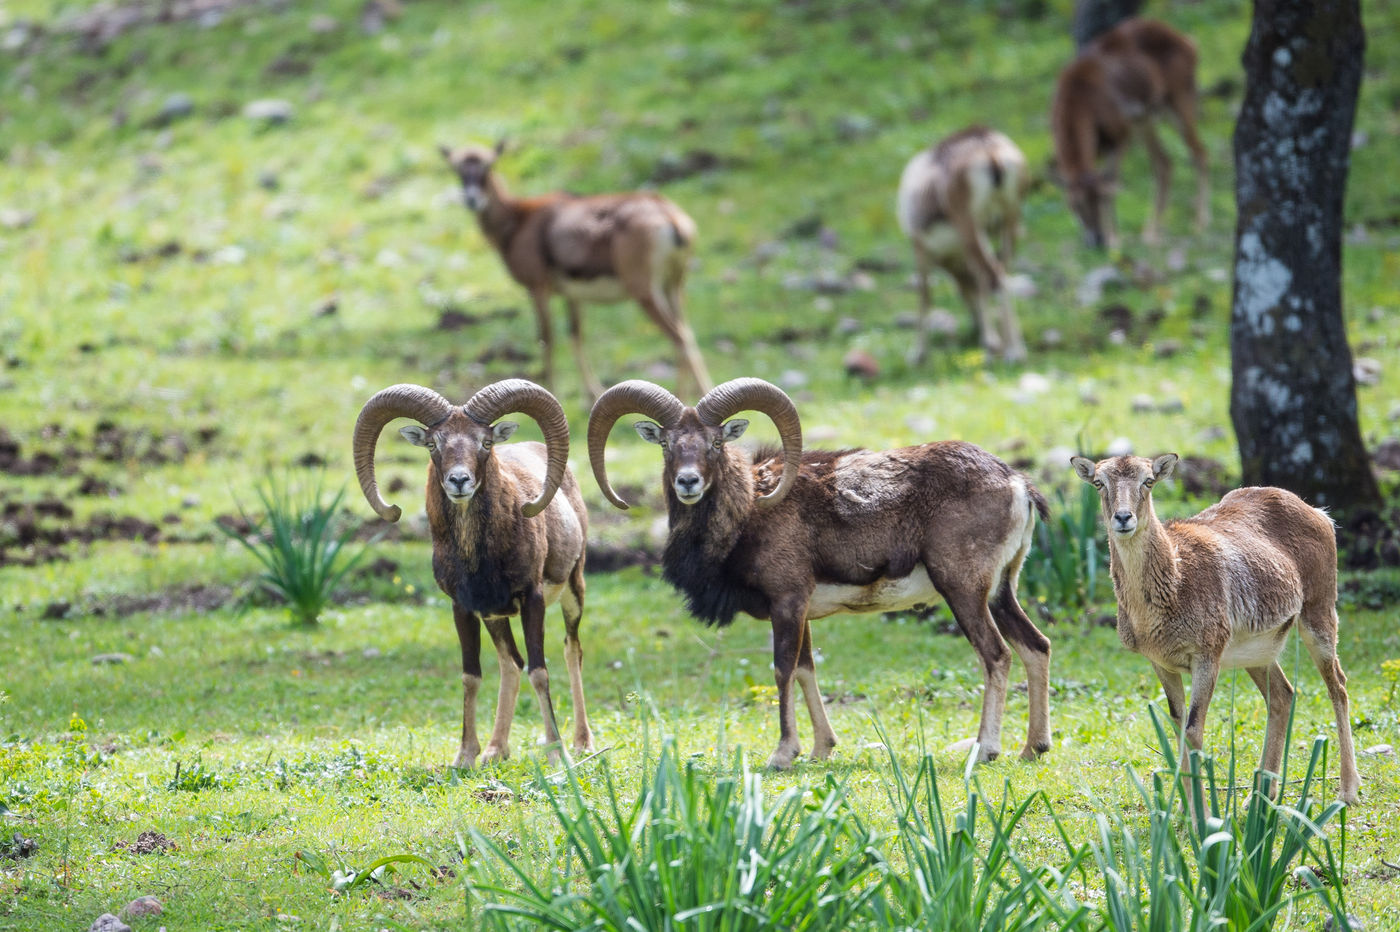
(180, 600)
(148, 842)
(33, 533)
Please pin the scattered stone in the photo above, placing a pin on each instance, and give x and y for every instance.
(1218, 275)
(853, 126)
(176, 107)
(321, 24)
(1021, 285)
(1176, 260)
(1118, 337)
(961, 748)
(1353, 924)
(907, 320)
(148, 842)
(1096, 281)
(1166, 349)
(142, 906)
(12, 219)
(108, 923)
(1143, 404)
(862, 281)
(1379, 750)
(1394, 413)
(792, 378)
(1033, 383)
(271, 111)
(1214, 432)
(860, 364)
(1051, 338)
(1387, 455)
(1120, 446)
(1359, 138)
(921, 425)
(1171, 405)
(672, 167)
(828, 238)
(113, 658)
(1366, 370)
(942, 322)
(1375, 315)
(848, 326)
(1057, 458)
(371, 653)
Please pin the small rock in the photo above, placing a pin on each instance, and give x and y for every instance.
(12, 219)
(1096, 280)
(1218, 275)
(269, 110)
(1387, 455)
(1353, 924)
(1366, 369)
(848, 326)
(1171, 406)
(854, 125)
(321, 24)
(1143, 403)
(268, 180)
(906, 320)
(1375, 315)
(1394, 413)
(1033, 383)
(108, 923)
(114, 658)
(1051, 338)
(1214, 432)
(1359, 138)
(189, 501)
(176, 107)
(1176, 259)
(828, 238)
(920, 425)
(371, 653)
(1057, 458)
(862, 281)
(1120, 446)
(231, 254)
(1021, 285)
(961, 748)
(142, 906)
(942, 322)
(792, 378)
(1379, 750)
(1118, 337)
(1166, 349)
(860, 364)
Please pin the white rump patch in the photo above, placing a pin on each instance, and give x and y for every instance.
(604, 288)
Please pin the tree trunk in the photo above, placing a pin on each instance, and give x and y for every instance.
(1095, 17)
(1293, 399)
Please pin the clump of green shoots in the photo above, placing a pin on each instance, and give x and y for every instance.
(301, 543)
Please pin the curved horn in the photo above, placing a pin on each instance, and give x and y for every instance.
(522, 395)
(634, 396)
(413, 401)
(737, 395)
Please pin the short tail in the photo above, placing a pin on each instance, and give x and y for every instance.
(1042, 507)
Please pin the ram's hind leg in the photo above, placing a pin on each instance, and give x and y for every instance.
(823, 738)
(1033, 647)
(509, 659)
(1318, 628)
(571, 601)
(968, 600)
(1278, 694)
(532, 626)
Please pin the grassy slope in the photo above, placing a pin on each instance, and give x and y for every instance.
(362, 212)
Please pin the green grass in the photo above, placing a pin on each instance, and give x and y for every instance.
(166, 294)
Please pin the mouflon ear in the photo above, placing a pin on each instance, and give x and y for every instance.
(502, 430)
(650, 431)
(734, 429)
(1084, 467)
(418, 436)
(1164, 465)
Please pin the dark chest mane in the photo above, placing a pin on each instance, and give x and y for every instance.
(471, 561)
(704, 558)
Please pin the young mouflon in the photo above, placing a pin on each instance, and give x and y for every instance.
(1221, 590)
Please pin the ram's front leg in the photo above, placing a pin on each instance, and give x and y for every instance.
(509, 659)
(788, 619)
(469, 634)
